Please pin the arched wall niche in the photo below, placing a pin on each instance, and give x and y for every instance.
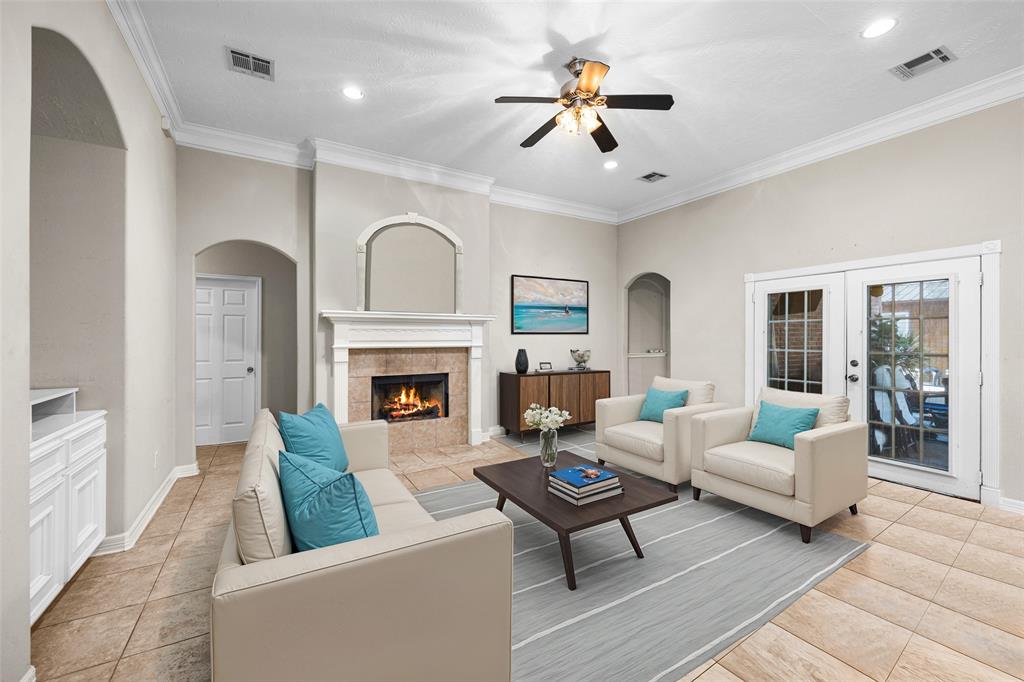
(648, 329)
(409, 263)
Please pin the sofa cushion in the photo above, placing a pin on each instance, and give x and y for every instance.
(645, 439)
(325, 507)
(764, 466)
(399, 516)
(699, 391)
(656, 402)
(383, 487)
(779, 425)
(832, 409)
(314, 435)
(257, 510)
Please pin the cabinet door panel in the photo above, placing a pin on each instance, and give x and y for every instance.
(565, 393)
(532, 389)
(46, 533)
(86, 510)
(593, 387)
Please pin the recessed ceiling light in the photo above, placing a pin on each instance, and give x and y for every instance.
(352, 92)
(611, 165)
(878, 28)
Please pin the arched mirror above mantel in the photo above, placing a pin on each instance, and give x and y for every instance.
(409, 263)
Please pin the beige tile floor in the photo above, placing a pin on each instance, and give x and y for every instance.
(938, 595)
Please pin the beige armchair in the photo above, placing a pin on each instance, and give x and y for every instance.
(826, 471)
(661, 451)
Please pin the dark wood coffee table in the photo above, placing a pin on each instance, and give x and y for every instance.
(525, 482)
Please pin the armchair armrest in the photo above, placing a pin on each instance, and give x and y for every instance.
(678, 437)
(615, 411)
(366, 444)
(831, 467)
(431, 603)
(711, 429)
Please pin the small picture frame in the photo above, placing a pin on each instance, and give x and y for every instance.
(544, 367)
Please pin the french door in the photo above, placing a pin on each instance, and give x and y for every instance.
(903, 342)
(227, 357)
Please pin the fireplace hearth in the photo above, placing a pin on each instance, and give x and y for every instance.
(409, 397)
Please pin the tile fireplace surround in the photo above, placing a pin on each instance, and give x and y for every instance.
(365, 344)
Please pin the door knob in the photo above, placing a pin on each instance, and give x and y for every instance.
(249, 370)
(852, 378)
(854, 363)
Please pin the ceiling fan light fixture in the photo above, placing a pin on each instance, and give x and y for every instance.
(878, 28)
(578, 120)
(352, 92)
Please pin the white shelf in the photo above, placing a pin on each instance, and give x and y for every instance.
(42, 395)
(646, 355)
(54, 425)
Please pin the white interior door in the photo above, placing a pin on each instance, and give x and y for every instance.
(799, 324)
(914, 345)
(227, 357)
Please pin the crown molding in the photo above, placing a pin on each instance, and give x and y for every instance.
(990, 92)
(546, 204)
(135, 31)
(338, 154)
(245, 146)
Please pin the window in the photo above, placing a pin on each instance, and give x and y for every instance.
(795, 340)
(908, 372)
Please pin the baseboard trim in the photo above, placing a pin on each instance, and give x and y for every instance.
(30, 674)
(496, 431)
(1010, 504)
(122, 542)
(990, 496)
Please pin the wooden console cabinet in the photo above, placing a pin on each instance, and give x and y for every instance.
(572, 391)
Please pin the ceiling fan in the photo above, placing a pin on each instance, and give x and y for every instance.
(581, 98)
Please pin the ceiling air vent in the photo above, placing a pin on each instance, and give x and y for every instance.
(250, 64)
(923, 64)
(653, 176)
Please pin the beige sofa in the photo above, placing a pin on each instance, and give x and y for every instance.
(826, 472)
(424, 600)
(661, 451)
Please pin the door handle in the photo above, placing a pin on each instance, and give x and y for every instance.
(852, 378)
(249, 370)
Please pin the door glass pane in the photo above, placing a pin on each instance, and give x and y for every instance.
(908, 363)
(795, 340)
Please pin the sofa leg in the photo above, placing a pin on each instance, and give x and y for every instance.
(696, 493)
(853, 509)
(673, 487)
(805, 533)
(600, 462)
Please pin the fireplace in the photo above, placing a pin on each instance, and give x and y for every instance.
(409, 397)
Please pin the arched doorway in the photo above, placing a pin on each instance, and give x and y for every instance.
(648, 330)
(246, 350)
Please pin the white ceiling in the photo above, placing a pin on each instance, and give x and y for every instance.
(750, 79)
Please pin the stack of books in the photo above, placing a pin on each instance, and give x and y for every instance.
(582, 485)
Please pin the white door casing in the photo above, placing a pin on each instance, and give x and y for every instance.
(227, 357)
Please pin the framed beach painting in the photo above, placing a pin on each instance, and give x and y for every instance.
(550, 305)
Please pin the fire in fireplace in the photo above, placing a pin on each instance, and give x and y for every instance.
(409, 396)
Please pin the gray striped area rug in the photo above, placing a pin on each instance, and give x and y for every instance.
(713, 572)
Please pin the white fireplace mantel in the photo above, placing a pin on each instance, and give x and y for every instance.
(378, 329)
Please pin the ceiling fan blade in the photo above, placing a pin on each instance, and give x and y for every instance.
(539, 133)
(603, 137)
(591, 77)
(526, 100)
(658, 102)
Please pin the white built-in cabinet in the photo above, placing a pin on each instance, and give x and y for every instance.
(67, 491)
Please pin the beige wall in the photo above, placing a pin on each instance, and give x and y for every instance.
(952, 184)
(149, 246)
(278, 336)
(395, 274)
(77, 251)
(224, 198)
(530, 243)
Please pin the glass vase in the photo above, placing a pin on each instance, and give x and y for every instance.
(548, 448)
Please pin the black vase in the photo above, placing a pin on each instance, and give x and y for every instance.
(522, 362)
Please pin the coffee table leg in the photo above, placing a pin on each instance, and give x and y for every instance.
(501, 502)
(632, 538)
(570, 572)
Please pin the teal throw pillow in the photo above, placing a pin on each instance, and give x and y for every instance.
(324, 507)
(778, 425)
(657, 402)
(314, 435)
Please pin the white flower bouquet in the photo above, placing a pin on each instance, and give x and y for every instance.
(548, 420)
